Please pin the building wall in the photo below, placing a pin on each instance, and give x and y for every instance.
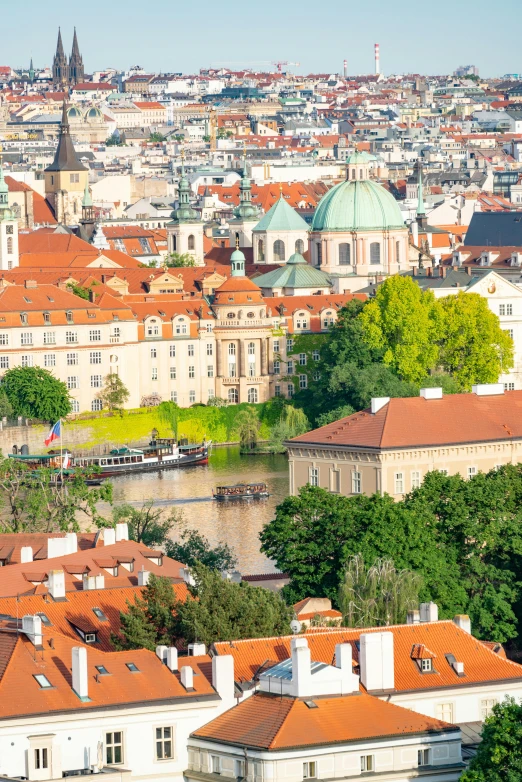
(359, 243)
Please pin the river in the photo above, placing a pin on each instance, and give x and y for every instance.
(236, 523)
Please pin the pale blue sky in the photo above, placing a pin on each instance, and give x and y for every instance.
(184, 36)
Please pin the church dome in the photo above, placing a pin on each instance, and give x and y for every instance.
(360, 205)
(74, 113)
(93, 113)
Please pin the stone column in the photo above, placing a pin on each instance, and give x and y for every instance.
(241, 357)
(264, 357)
(219, 358)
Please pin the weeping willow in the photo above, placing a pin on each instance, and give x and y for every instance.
(377, 595)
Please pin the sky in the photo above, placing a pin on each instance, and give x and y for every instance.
(173, 36)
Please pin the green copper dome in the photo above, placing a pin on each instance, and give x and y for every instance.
(357, 206)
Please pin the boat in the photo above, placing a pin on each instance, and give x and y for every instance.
(241, 491)
(160, 454)
(52, 462)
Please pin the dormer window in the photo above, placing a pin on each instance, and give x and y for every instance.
(69, 317)
(23, 318)
(427, 665)
(47, 317)
(424, 658)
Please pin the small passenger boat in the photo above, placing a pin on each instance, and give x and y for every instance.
(53, 461)
(160, 454)
(241, 491)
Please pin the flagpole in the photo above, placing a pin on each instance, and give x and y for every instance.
(61, 451)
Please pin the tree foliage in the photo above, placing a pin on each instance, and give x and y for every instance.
(499, 754)
(149, 525)
(114, 393)
(179, 260)
(248, 424)
(34, 392)
(192, 547)
(149, 621)
(6, 408)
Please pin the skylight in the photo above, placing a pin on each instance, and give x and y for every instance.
(102, 670)
(99, 614)
(43, 681)
(133, 668)
(45, 619)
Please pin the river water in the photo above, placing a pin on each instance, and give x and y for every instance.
(190, 489)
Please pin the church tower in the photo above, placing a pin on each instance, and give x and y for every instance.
(66, 178)
(246, 215)
(185, 231)
(76, 70)
(60, 66)
(9, 256)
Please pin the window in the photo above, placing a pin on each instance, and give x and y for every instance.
(279, 251)
(154, 373)
(375, 252)
(301, 321)
(23, 318)
(153, 329)
(172, 351)
(132, 667)
(314, 476)
(4, 339)
(210, 349)
(4, 362)
(367, 763)
(289, 367)
(509, 386)
(415, 479)
(299, 246)
(43, 681)
(95, 357)
(41, 759)
(344, 254)
(233, 395)
(215, 764)
(252, 395)
(302, 359)
(310, 770)
(303, 381)
(192, 372)
(289, 345)
(95, 335)
(71, 337)
(276, 345)
(211, 393)
(509, 309)
(277, 390)
(9, 245)
(114, 748)
(163, 743)
(486, 707)
(74, 179)
(102, 670)
(27, 361)
(73, 382)
(423, 757)
(153, 353)
(319, 248)
(472, 471)
(397, 252)
(316, 355)
(191, 242)
(399, 483)
(181, 327)
(239, 767)
(444, 712)
(49, 338)
(174, 396)
(443, 472)
(96, 381)
(210, 326)
(98, 613)
(510, 332)
(316, 376)
(277, 367)
(210, 370)
(290, 390)
(69, 317)
(173, 373)
(72, 359)
(190, 349)
(192, 397)
(260, 250)
(328, 320)
(356, 482)
(75, 406)
(47, 317)
(427, 665)
(26, 338)
(49, 360)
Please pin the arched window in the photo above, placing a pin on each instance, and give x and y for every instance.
(191, 242)
(344, 254)
(233, 396)
(174, 243)
(354, 173)
(260, 250)
(252, 395)
(299, 246)
(319, 253)
(398, 252)
(375, 252)
(279, 251)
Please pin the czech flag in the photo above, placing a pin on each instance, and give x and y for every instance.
(54, 433)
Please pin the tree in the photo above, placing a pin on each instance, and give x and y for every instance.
(218, 401)
(34, 392)
(81, 291)
(377, 595)
(148, 525)
(114, 140)
(224, 611)
(156, 138)
(474, 348)
(192, 548)
(499, 754)
(6, 409)
(247, 425)
(334, 415)
(405, 323)
(114, 393)
(169, 414)
(179, 260)
(149, 621)
(292, 423)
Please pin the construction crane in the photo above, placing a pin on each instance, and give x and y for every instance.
(279, 64)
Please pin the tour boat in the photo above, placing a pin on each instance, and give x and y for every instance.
(52, 461)
(160, 454)
(241, 491)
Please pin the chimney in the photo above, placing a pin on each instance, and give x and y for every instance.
(223, 676)
(71, 542)
(143, 577)
(413, 618)
(26, 554)
(122, 531)
(161, 652)
(32, 627)
(56, 581)
(376, 661)
(187, 576)
(488, 389)
(31, 284)
(458, 667)
(57, 547)
(80, 682)
(92, 296)
(301, 667)
(187, 677)
(93, 582)
(463, 621)
(431, 393)
(378, 403)
(344, 661)
(195, 650)
(429, 612)
(172, 658)
(109, 536)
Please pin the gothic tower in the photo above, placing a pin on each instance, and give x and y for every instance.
(76, 70)
(66, 178)
(60, 67)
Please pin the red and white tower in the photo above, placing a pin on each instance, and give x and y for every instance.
(377, 60)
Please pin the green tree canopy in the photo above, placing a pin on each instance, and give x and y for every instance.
(247, 425)
(499, 754)
(148, 524)
(36, 393)
(192, 547)
(179, 260)
(149, 621)
(114, 393)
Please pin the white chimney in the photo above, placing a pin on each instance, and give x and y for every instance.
(464, 622)
(429, 612)
(344, 661)
(93, 582)
(223, 676)
(458, 667)
(143, 577)
(431, 393)
(413, 617)
(172, 658)
(301, 667)
(79, 672)
(71, 542)
(187, 576)
(187, 677)
(378, 403)
(376, 661)
(161, 652)
(26, 554)
(32, 627)
(122, 531)
(56, 581)
(109, 536)
(56, 547)
(195, 650)
(488, 389)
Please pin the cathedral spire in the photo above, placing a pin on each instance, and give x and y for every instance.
(75, 47)
(60, 67)
(76, 70)
(59, 46)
